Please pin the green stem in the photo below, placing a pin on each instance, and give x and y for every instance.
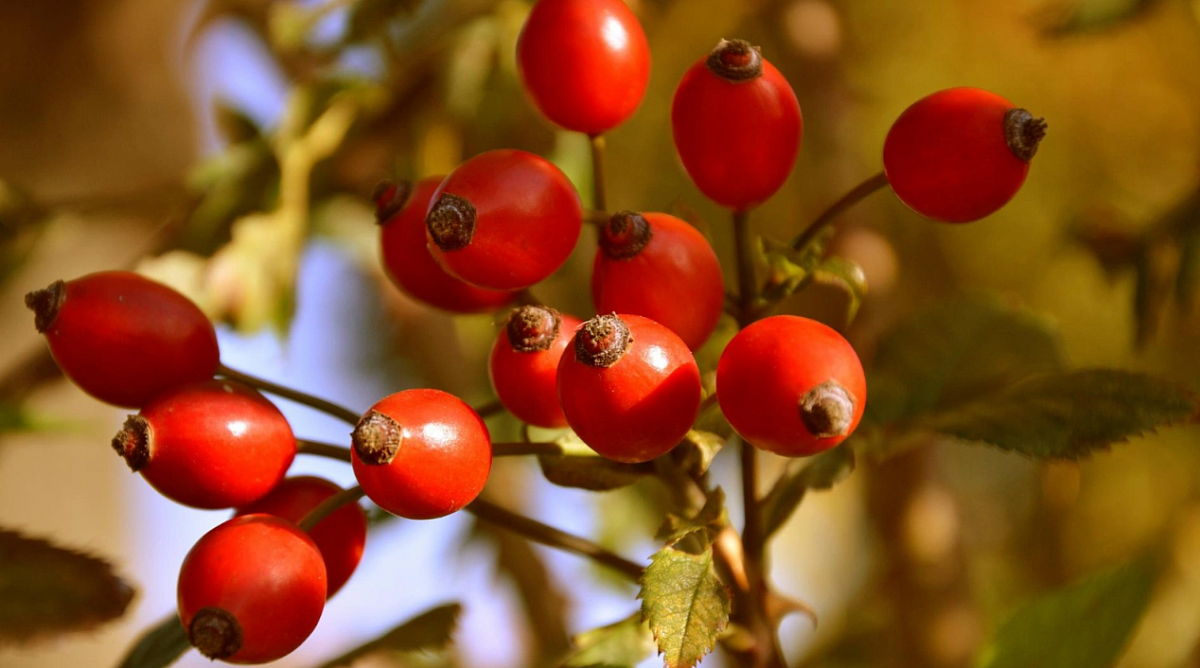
(493, 407)
(328, 506)
(599, 186)
(859, 193)
(548, 535)
(340, 412)
(307, 447)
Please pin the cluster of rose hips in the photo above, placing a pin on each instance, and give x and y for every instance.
(626, 382)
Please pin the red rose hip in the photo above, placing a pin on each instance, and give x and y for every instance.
(584, 63)
(251, 590)
(629, 387)
(523, 364)
(960, 154)
(123, 338)
(658, 266)
(340, 536)
(504, 220)
(400, 210)
(791, 385)
(737, 125)
(216, 444)
(421, 454)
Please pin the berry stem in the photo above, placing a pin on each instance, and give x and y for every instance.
(856, 195)
(306, 447)
(491, 408)
(329, 506)
(549, 536)
(599, 185)
(522, 448)
(747, 283)
(340, 412)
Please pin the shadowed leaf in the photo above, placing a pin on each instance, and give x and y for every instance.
(1067, 415)
(159, 646)
(592, 473)
(623, 644)
(47, 590)
(430, 630)
(821, 472)
(1086, 625)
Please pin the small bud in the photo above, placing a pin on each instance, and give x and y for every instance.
(533, 329)
(602, 341)
(377, 438)
(215, 633)
(735, 60)
(827, 410)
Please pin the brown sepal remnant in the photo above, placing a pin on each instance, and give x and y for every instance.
(377, 438)
(827, 410)
(602, 341)
(735, 60)
(390, 197)
(1023, 133)
(625, 235)
(45, 304)
(451, 222)
(532, 328)
(215, 633)
(134, 442)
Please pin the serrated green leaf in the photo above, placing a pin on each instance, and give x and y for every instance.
(48, 590)
(954, 351)
(821, 472)
(1086, 625)
(1067, 415)
(847, 275)
(685, 603)
(592, 473)
(159, 646)
(623, 644)
(431, 630)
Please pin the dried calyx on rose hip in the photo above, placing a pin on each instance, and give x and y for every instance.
(400, 211)
(791, 385)
(215, 444)
(123, 338)
(660, 267)
(737, 125)
(629, 387)
(523, 364)
(504, 220)
(421, 454)
(960, 154)
(584, 63)
(340, 537)
(251, 590)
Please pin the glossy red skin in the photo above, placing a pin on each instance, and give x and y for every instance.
(528, 220)
(340, 536)
(443, 461)
(738, 141)
(123, 338)
(769, 366)
(265, 572)
(948, 159)
(411, 266)
(674, 280)
(527, 382)
(642, 406)
(584, 63)
(216, 444)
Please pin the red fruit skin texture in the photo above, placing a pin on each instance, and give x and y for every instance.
(443, 461)
(216, 444)
(340, 537)
(584, 63)
(769, 366)
(527, 382)
(410, 264)
(123, 338)
(948, 159)
(674, 280)
(642, 406)
(264, 571)
(738, 141)
(528, 220)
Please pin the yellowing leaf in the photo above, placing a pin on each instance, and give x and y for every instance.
(623, 644)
